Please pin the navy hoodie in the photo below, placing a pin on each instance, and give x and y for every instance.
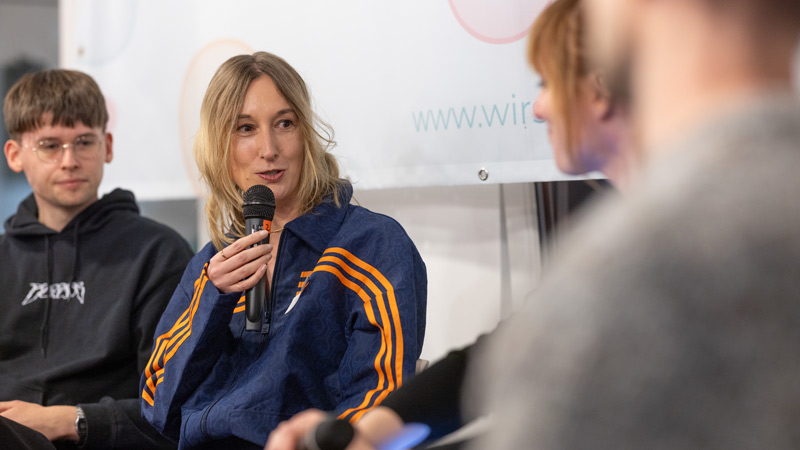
(79, 308)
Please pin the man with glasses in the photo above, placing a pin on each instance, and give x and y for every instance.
(84, 280)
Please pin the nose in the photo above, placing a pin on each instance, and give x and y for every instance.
(540, 109)
(68, 158)
(266, 147)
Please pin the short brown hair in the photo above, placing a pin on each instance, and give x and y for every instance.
(556, 51)
(68, 96)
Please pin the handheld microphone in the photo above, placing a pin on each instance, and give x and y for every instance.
(258, 208)
(337, 434)
(332, 434)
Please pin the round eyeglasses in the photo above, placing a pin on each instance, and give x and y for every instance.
(52, 150)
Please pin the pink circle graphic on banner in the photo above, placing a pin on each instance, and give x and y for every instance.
(198, 74)
(498, 21)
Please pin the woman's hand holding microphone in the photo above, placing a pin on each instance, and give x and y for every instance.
(239, 266)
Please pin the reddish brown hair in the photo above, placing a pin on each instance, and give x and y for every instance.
(556, 52)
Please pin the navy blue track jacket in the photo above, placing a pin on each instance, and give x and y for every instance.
(348, 301)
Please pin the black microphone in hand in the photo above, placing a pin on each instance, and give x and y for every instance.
(258, 208)
(332, 434)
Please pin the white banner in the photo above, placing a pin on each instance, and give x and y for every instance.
(419, 92)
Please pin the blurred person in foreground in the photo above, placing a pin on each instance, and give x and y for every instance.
(588, 131)
(670, 320)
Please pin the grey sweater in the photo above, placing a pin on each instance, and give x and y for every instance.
(672, 318)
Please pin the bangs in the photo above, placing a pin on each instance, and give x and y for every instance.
(548, 39)
(54, 97)
(543, 56)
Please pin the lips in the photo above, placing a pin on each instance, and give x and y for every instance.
(271, 176)
(71, 183)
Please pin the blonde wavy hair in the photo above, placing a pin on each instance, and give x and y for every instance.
(222, 104)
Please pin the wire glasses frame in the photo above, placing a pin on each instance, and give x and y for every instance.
(84, 147)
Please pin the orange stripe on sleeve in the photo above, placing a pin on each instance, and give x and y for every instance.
(147, 398)
(187, 330)
(160, 341)
(386, 330)
(182, 321)
(392, 305)
(371, 317)
(177, 334)
(378, 296)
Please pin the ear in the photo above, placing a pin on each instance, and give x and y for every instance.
(13, 157)
(601, 104)
(109, 147)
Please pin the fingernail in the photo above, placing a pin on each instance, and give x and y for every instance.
(264, 233)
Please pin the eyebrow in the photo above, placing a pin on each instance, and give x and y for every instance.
(46, 138)
(282, 112)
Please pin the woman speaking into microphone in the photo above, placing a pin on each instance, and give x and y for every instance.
(346, 288)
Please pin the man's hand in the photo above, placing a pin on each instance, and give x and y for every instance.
(55, 422)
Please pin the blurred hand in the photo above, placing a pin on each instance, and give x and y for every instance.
(55, 422)
(237, 267)
(291, 432)
(378, 425)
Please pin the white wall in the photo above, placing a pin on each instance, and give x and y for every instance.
(479, 265)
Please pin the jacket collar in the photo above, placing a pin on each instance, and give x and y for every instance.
(318, 227)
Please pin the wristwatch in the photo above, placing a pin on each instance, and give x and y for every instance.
(80, 426)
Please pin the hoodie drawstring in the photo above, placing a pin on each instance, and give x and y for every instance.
(74, 251)
(45, 329)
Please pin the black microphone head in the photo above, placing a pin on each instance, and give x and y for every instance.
(334, 434)
(259, 201)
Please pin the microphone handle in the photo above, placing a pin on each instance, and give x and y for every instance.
(255, 298)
